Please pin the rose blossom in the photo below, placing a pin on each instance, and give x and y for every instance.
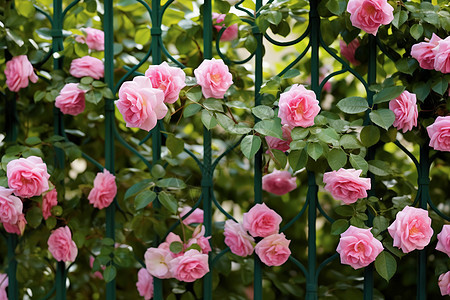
(10, 206)
(104, 191)
(273, 250)
(189, 267)
(358, 248)
(49, 200)
(348, 51)
(17, 228)
(157, 262)
(195, 217)
(171, 237)
(95, 39)
(168, 79)
(237, 239)
(423, 52)
(443, 237)
(439, 133)
(144, 284)
(442, 56)
(18, 71)
(444, 283)
(71, 100)
(140, 104)
(346, 185)
(202, 242)
(214, 78)
(3, 285)
(230, 33)
(369, 15)
(411, 229)
(27, 176)
(282, 145)
(87, 66)
(61, 245)
(279, 182)
(405, 110)
(261, 221)
(298, 107)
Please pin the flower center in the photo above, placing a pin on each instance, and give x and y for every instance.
(215, 77)
(413, 231)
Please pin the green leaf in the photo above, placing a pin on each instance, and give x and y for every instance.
(440, 85)
(250, 43)
(270, 128)
(388, 94)
(299, 133)
(213, 104)
(336, 159)
(208, 119)
(386, 265)
(240, 128)
(168, 201)
(175, 145)
(279, 158)
(421, 89)
(407, 65)
(34, 216)
(86, 80)
(349, 141)
(382, 117)
(194, 94)
(142, 36)
(380, 223)
(191, 110)
(39, 95)
(370, 135)
(143, 199)
(274, 17)
(379, 167)
(176, 247)
(353, 105)
(173, 183)
(250, 145)
(33, 140)
(137, 187)
(400, 17)
(158, 171)
(416, 31)
(26, 8)
(291, 73)
(339, 226)
(329, 136)
(359, 163)
(263, 112)
(345, 210)
(315, 150)
(109, 273)
(297, 159)
(225, 121)
(336, 7)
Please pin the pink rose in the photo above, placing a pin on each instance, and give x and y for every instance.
(140, 104)
(424, 54)
(202, 242)
(80, 39)
(168, 79)
(95, 39)
(157, 262)
(369, 15)
(358, 248)
(261, 221)
(348, 51)
(444, 283)
(237, 239)
(273, 250)
(443, 237)
(279, 182)
(18, 71)
(214, 78)
(27, 176)
(61, 245)
(298, 107)
(282, 145)
(189, 267)
(97, 274)
(104, 191)
(3, 285)
(49, 200)
(442, 56)
(405, 110)
(439, 133)
(87, 66)
(17, 228)
(229, 34)
(10, 206)
(144, 284)
(195, 217)
(346, 185)
(171, 237)
(70, 100)
(411, 229)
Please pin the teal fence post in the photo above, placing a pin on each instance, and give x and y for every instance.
(61, 281)
(108, 23)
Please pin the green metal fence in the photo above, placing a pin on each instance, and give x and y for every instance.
(312, 207)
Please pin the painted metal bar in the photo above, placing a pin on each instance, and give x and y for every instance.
(61, 281)
(108, 28)
(13, 286)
